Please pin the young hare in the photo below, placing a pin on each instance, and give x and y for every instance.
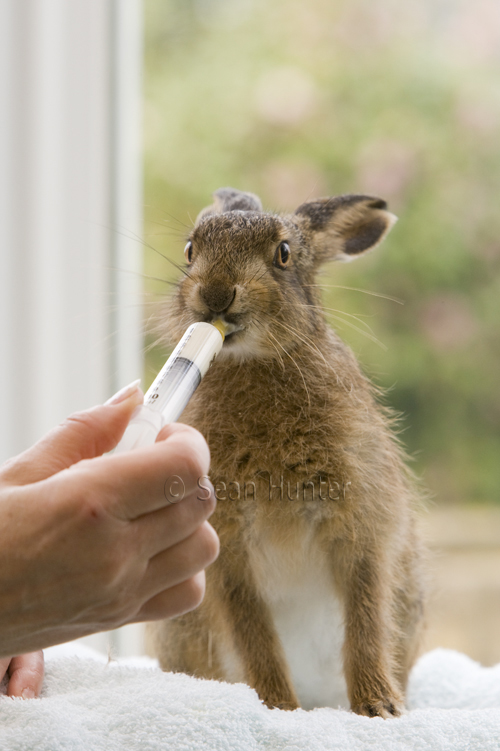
(316, 596)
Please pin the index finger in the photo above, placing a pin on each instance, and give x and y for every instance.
(139, 481)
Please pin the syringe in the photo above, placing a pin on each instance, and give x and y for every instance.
(174, 385)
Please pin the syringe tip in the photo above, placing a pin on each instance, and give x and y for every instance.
(221, 327)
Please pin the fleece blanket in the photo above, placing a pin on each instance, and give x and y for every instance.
(91, 704)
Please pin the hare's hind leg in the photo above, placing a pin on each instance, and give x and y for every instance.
(187, 644)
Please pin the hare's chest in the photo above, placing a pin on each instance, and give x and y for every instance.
(307, 615)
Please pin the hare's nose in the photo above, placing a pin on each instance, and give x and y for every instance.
(218, 297)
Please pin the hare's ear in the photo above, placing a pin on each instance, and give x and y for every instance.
(344, 227)
(230, 199)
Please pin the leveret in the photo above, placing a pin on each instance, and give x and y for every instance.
(316, 598)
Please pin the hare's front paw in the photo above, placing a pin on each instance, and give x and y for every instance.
(384, 708)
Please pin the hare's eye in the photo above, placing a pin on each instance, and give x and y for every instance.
(282, 255)
(188, 251)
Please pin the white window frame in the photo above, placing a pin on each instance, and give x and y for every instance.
(70, 213)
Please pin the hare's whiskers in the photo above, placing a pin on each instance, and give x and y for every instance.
(153, 344)
(360, 331)
(143, 276)
(132, 236)
(308, 342)
(342, 312)
(296, 365)
(357, 289)
(173, 233)
(171, 216)
(268, 334)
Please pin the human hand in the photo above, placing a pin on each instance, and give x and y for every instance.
(25, 674)
(90, 542)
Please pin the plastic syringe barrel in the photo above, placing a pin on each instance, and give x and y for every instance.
(174, 385)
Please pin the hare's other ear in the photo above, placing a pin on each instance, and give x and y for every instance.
(230, 199)
(343, 228)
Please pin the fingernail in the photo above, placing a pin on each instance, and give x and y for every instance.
(28, 693)
(124, 393)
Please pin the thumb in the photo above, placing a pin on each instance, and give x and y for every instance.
(83, 435)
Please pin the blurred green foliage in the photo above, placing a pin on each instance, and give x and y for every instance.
(295, 100)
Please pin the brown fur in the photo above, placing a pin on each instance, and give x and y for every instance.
(286, 399)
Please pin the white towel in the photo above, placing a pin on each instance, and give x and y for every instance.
(89, 705)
